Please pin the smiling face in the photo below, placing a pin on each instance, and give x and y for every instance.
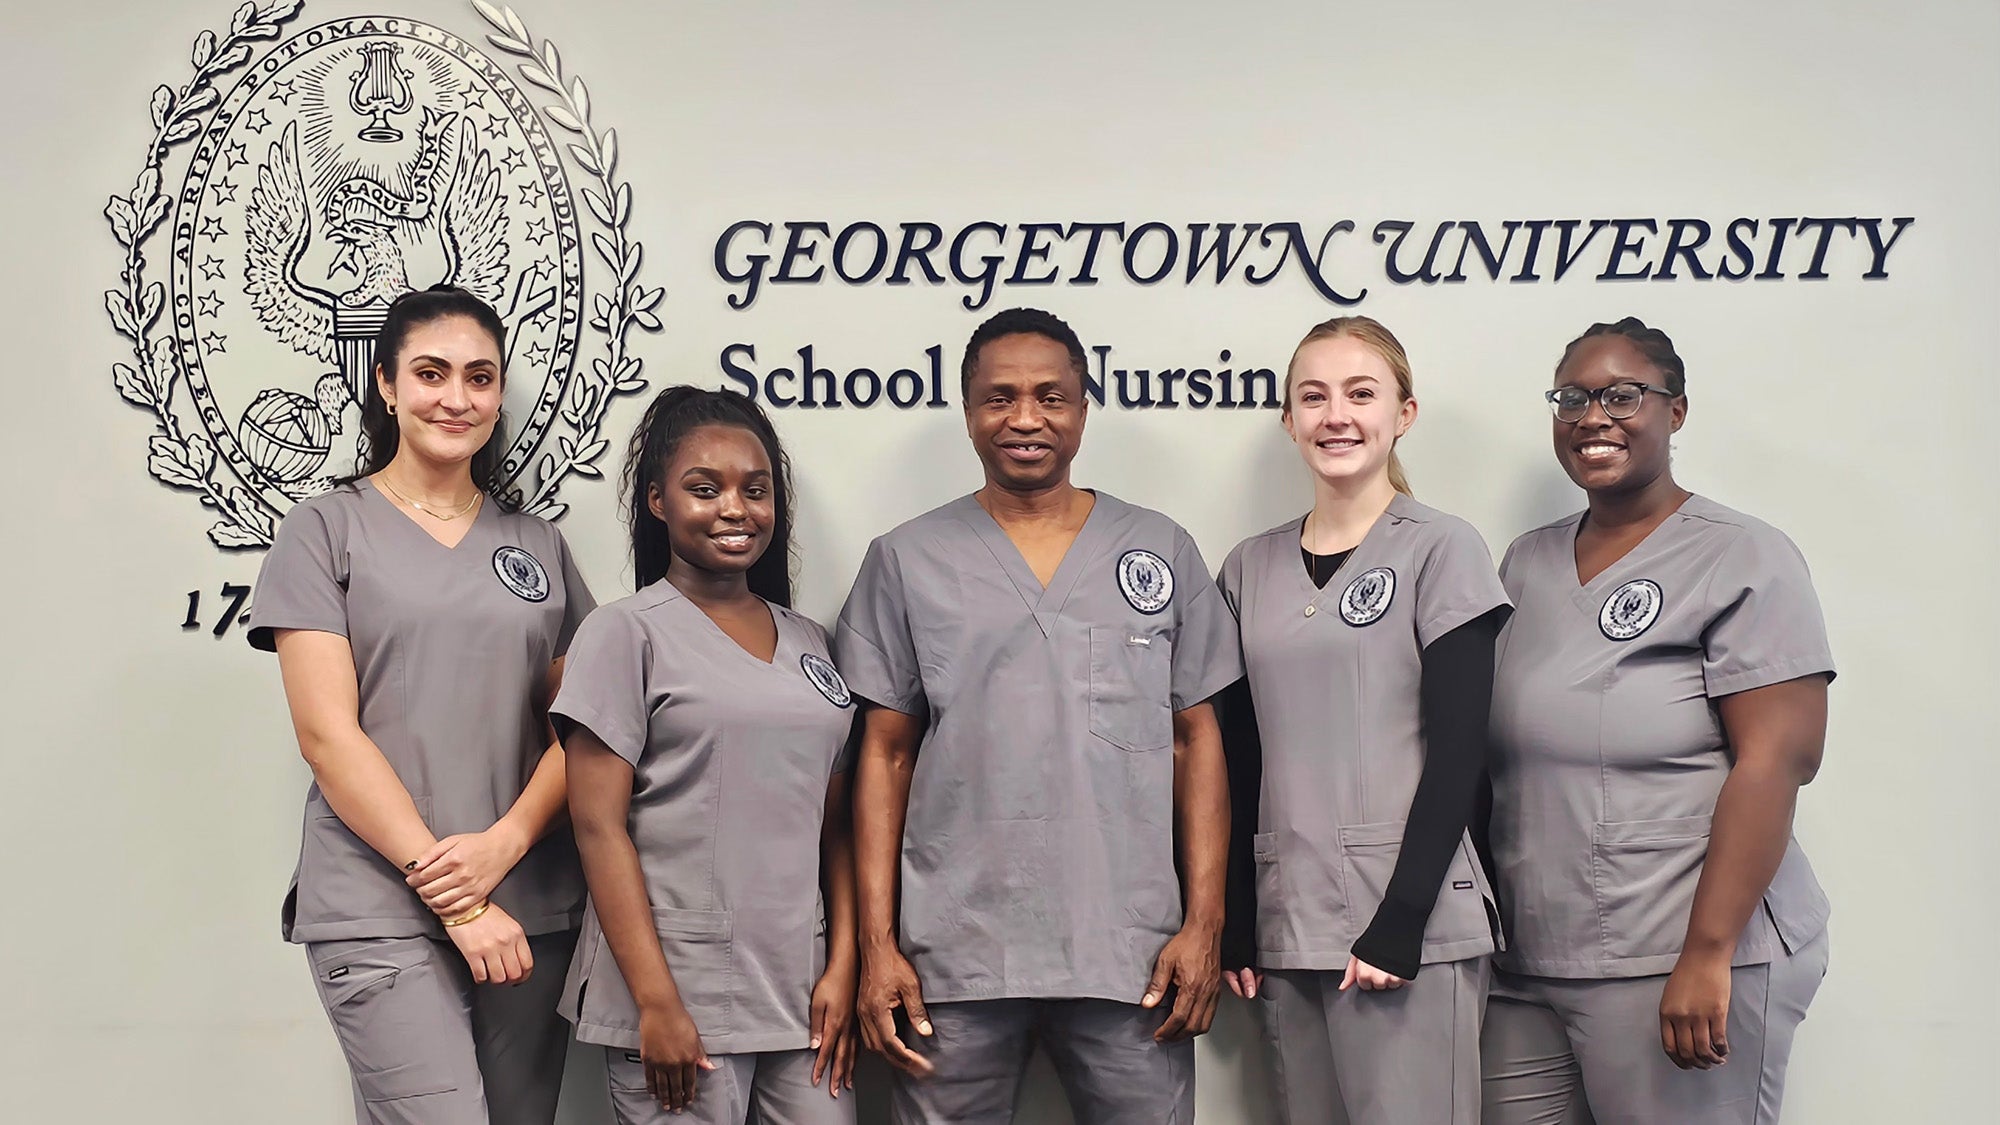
(717, 497)
(1024, 410)
(1613, 456)
(1345, 410)
(445, 390)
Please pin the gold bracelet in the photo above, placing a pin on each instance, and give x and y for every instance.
(469, 916)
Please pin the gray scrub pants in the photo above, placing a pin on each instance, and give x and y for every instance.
(1376, 1058)
(1103, 1051)
(777, 1084)
(1587, 1052)
(427, 1046)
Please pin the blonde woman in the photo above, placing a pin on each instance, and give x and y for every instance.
(1367, 626)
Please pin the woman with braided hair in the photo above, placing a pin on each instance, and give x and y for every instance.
(1659, 698)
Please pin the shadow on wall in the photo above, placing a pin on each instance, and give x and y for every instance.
(1233, 1081)
(1284, 490)
(1539, 497)
(839, 509)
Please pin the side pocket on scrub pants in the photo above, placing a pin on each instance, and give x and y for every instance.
(1645, 872)
(388, 1006)
(1130, 678)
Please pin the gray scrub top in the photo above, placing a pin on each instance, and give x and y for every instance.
(731, 758)
(1038, 851)
(1608, 750)
(1335, 675)
(452, 648)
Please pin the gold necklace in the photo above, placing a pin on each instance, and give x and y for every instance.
(431, 512)
(1313, 568)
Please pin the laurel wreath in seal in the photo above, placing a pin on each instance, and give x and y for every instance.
(186, 459)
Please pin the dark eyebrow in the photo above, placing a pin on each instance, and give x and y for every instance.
(705, 470)
(441, 362)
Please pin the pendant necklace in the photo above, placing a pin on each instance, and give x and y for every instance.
(430, 510)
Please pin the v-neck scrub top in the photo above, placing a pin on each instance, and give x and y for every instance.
(1335, 674)
(1608, 749)
(452, 648)
(731, 758)
(1038, 850)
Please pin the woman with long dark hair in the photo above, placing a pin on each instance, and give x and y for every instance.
(420, 629)
(1659, 698)
(707, 732)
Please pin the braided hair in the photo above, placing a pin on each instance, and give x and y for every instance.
(1652, 343)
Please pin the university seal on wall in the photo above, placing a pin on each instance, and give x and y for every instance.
(328, 170)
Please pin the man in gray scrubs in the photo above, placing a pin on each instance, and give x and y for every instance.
(1037, 658)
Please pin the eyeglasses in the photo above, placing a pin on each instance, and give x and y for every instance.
(1619, 400)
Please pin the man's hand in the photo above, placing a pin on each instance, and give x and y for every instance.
(1191, 964)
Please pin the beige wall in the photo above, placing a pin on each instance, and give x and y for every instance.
(148, 800)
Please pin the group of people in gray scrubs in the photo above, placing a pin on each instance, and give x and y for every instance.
(1511, 846)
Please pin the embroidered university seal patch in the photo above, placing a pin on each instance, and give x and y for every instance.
(1367, 598)
(521, 573)
(1630, 610)
(826, 678)
(1146, 581)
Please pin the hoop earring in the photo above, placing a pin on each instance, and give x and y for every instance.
(392, 408)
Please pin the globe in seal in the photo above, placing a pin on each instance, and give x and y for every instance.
(285, 434)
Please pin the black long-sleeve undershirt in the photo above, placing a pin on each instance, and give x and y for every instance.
(1455, 698)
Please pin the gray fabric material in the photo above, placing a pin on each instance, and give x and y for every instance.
(1587, 1052)
(731, 759)
(1103, 1053)
(1376, 1058)
(771, 1088)
(1336, 695)
(452, 666)
(427, 1046)
(1038, 852)
(1608, 753)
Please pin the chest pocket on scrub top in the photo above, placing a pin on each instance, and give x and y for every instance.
(1130, 676)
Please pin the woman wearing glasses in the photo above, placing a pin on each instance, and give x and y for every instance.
(1658, 700)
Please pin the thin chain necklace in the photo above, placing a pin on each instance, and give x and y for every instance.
(1312, 554)
(432, 512)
